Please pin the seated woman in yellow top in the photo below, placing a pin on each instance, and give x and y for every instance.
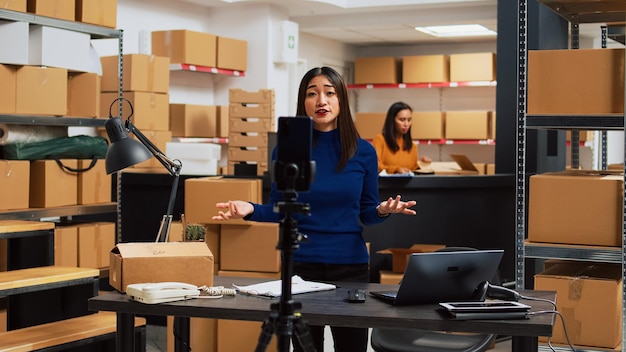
(397, 154)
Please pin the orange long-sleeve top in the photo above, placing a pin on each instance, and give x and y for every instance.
(393, 161)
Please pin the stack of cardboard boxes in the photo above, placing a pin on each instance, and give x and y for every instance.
(251, 117)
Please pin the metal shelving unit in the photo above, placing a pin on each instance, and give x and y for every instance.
(576, 12)
(96, 32)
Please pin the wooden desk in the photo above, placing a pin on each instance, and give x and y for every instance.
(328, 308)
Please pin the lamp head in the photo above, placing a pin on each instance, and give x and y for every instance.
(123, 151)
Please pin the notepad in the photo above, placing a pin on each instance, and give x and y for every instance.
(274, 288)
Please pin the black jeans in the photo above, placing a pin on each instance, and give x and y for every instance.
(345, 339)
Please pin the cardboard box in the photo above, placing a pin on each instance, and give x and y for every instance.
(589, 297)
(468, 124)
(232, 54)
(257, 154)
(248, 139)
(253, 124)
(13, 5)
(14, 35)
(186, 47)
(56, 47)
(377, 70)
(66, 246)
(14, 184)
(211, 237)
(596, 88)
(251, 110)
(8, 75)
(61, 9)
(190, 262)
(425, 69)
(253, 274)
(94, 185)
(391, 278)
(142, 73)
(98, 12)
(95, 241)
(202, 334)
(50, 185)
(400, 256)
(83, 94)
(576, 207)
(202, 193)
(222, 122)
(428, 125)
(262, 96)
(473, 67)
(189, 120)
(151, 110)
(369, 124)
(260, 238)
(240, 335)
(41, 91)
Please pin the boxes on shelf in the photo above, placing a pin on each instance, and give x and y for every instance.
(589, 297)
(14, 35)
(400, 256)
(255, 154)
(377, 70)
(252, 124)
(83, 94)
(61, 9)
(202, 193)
(196, 158)
(262, 96)
(237, 242)
(428, 125)
(14, 184)
(94, 185)
(131, 263)
(41, 91)
(191, 120)
(50, 185)
(596, 88)
(142, 73)
(8, 77)
(369, 124)
(151, 110)
(186, 47)
(14, 5)
(472, 67)
(95, 241)
(56, 47)
(66, 245)
(248, 139)
(425, 68)
(576, 207)
(468, 124)
(232, 54)
(98, 12)
(251, 110)
(221, 121)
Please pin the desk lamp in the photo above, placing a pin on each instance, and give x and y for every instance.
(124, 152)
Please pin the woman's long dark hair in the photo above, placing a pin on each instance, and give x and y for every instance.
(348, 134)
(389, 128)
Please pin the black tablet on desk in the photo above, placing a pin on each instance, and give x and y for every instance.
(494, 309)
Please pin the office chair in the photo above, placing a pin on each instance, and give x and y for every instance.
(418, 340)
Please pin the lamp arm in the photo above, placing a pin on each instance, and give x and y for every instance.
(173, 167)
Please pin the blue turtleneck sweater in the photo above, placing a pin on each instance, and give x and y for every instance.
(341, 202)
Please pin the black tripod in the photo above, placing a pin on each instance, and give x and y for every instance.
(284, 319)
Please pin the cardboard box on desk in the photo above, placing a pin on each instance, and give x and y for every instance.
(589, 298)
(400, 256)
(190, 262)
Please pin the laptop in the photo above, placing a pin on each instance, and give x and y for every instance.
(464, 162)
(436, 277)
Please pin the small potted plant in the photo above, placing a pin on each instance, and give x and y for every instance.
(193, 232)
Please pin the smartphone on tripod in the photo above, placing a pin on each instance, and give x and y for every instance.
(293, 169)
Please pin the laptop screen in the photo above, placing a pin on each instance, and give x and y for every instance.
(446, 276)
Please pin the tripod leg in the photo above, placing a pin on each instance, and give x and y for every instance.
(303, 335)
(267, 331)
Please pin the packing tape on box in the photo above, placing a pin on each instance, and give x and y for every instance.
(29, 133)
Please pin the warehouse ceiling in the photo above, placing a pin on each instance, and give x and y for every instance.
(384, 22)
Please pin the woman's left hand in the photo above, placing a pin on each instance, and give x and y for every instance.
(396, 206)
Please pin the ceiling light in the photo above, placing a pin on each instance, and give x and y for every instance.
(462, 30)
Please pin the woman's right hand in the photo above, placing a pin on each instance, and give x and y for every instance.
(237, 209)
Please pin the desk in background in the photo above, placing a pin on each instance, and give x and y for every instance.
(327, 308)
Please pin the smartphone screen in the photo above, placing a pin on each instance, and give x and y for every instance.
(292, 169)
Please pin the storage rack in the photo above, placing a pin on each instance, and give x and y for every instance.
(576, 12)
(96, 32)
